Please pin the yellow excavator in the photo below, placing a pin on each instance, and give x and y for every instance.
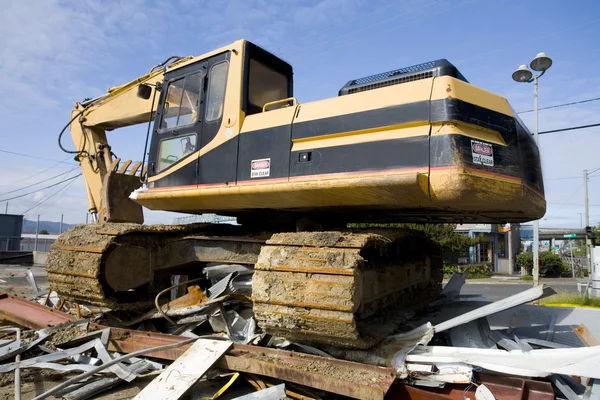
(417, 144)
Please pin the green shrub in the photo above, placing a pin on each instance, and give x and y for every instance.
(450, 269)
(550, 264)
(478, 271)
(526, 278)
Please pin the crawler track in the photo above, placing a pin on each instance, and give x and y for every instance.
(348, 289)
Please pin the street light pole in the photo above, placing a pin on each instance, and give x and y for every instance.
(540, 63)
(536, 223)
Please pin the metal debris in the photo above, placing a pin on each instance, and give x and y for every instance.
(483, 393)
(583, 361)
(91, 389)
(272, 393)
(215, 272)
(178, 377)
(221, 287)
(454, 285)
(498, 337)
(493, 308)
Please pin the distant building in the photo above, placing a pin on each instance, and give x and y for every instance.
(28, 242)
(205, 218)
(499, 245)
(11, 226)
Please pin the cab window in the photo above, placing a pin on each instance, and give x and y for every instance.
(181, 104)
(264, 85)
(216, 91)
(174, 149)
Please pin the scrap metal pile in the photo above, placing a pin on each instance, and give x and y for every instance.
(207, 344)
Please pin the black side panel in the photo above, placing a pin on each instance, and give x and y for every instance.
(455, 150)
(271, 143)
(381, 117)
(411, 152)
(457, 110)
(530, 158)
(184, 176)
(218, 165)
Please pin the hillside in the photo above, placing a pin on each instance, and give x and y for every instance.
(50, 226)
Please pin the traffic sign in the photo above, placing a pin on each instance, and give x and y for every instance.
(554, 248)
(570, 235)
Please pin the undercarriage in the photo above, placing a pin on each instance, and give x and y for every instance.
(345, 288)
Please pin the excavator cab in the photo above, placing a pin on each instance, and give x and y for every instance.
(193, 115)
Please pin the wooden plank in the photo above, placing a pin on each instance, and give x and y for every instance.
(178, 377)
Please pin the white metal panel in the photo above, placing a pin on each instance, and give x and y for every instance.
(178, 377)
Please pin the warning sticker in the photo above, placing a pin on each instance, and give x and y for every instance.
(483, 153)
(260, 168)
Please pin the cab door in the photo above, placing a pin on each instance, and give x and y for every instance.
(177, 132)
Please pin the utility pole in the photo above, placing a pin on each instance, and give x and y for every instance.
(6, 210)
(61, 222)
(37, 232)
(572, 261)
(594, 275)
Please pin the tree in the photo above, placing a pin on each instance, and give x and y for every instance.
(550, 264)
(450, 241)
(43, 232)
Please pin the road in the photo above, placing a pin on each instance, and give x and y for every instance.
(498, 291)
(12, 280)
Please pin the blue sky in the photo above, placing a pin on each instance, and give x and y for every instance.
(57, 52)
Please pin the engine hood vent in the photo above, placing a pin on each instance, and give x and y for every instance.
(408, 74)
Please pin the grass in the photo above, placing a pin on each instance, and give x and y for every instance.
(478, 276)
(526, 278)
(571, 299)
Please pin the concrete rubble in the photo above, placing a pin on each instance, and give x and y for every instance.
(206, 343)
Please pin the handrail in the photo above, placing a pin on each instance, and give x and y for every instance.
(264, 109)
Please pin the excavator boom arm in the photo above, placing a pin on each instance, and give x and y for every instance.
(107, 187)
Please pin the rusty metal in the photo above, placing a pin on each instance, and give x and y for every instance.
(502, 387)
(332, 375)
(368, 381)
(303, 369)
(29, 314)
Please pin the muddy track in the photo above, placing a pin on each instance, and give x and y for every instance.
(342, 288)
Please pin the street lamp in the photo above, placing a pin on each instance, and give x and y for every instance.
(540, 63)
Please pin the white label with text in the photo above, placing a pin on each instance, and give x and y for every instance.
(483, 153)
(260, 168)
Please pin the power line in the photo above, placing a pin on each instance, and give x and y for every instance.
(51, 205)
(562, 105)
(37, 190)
(36, 174)
(38, 158)
(363, 28)
(571, 196)
(37, 183)
(43, 200)
(361, 17)
(562, 179)
(572, 128)
(365, 37)
(572, 204)
(522, 42)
